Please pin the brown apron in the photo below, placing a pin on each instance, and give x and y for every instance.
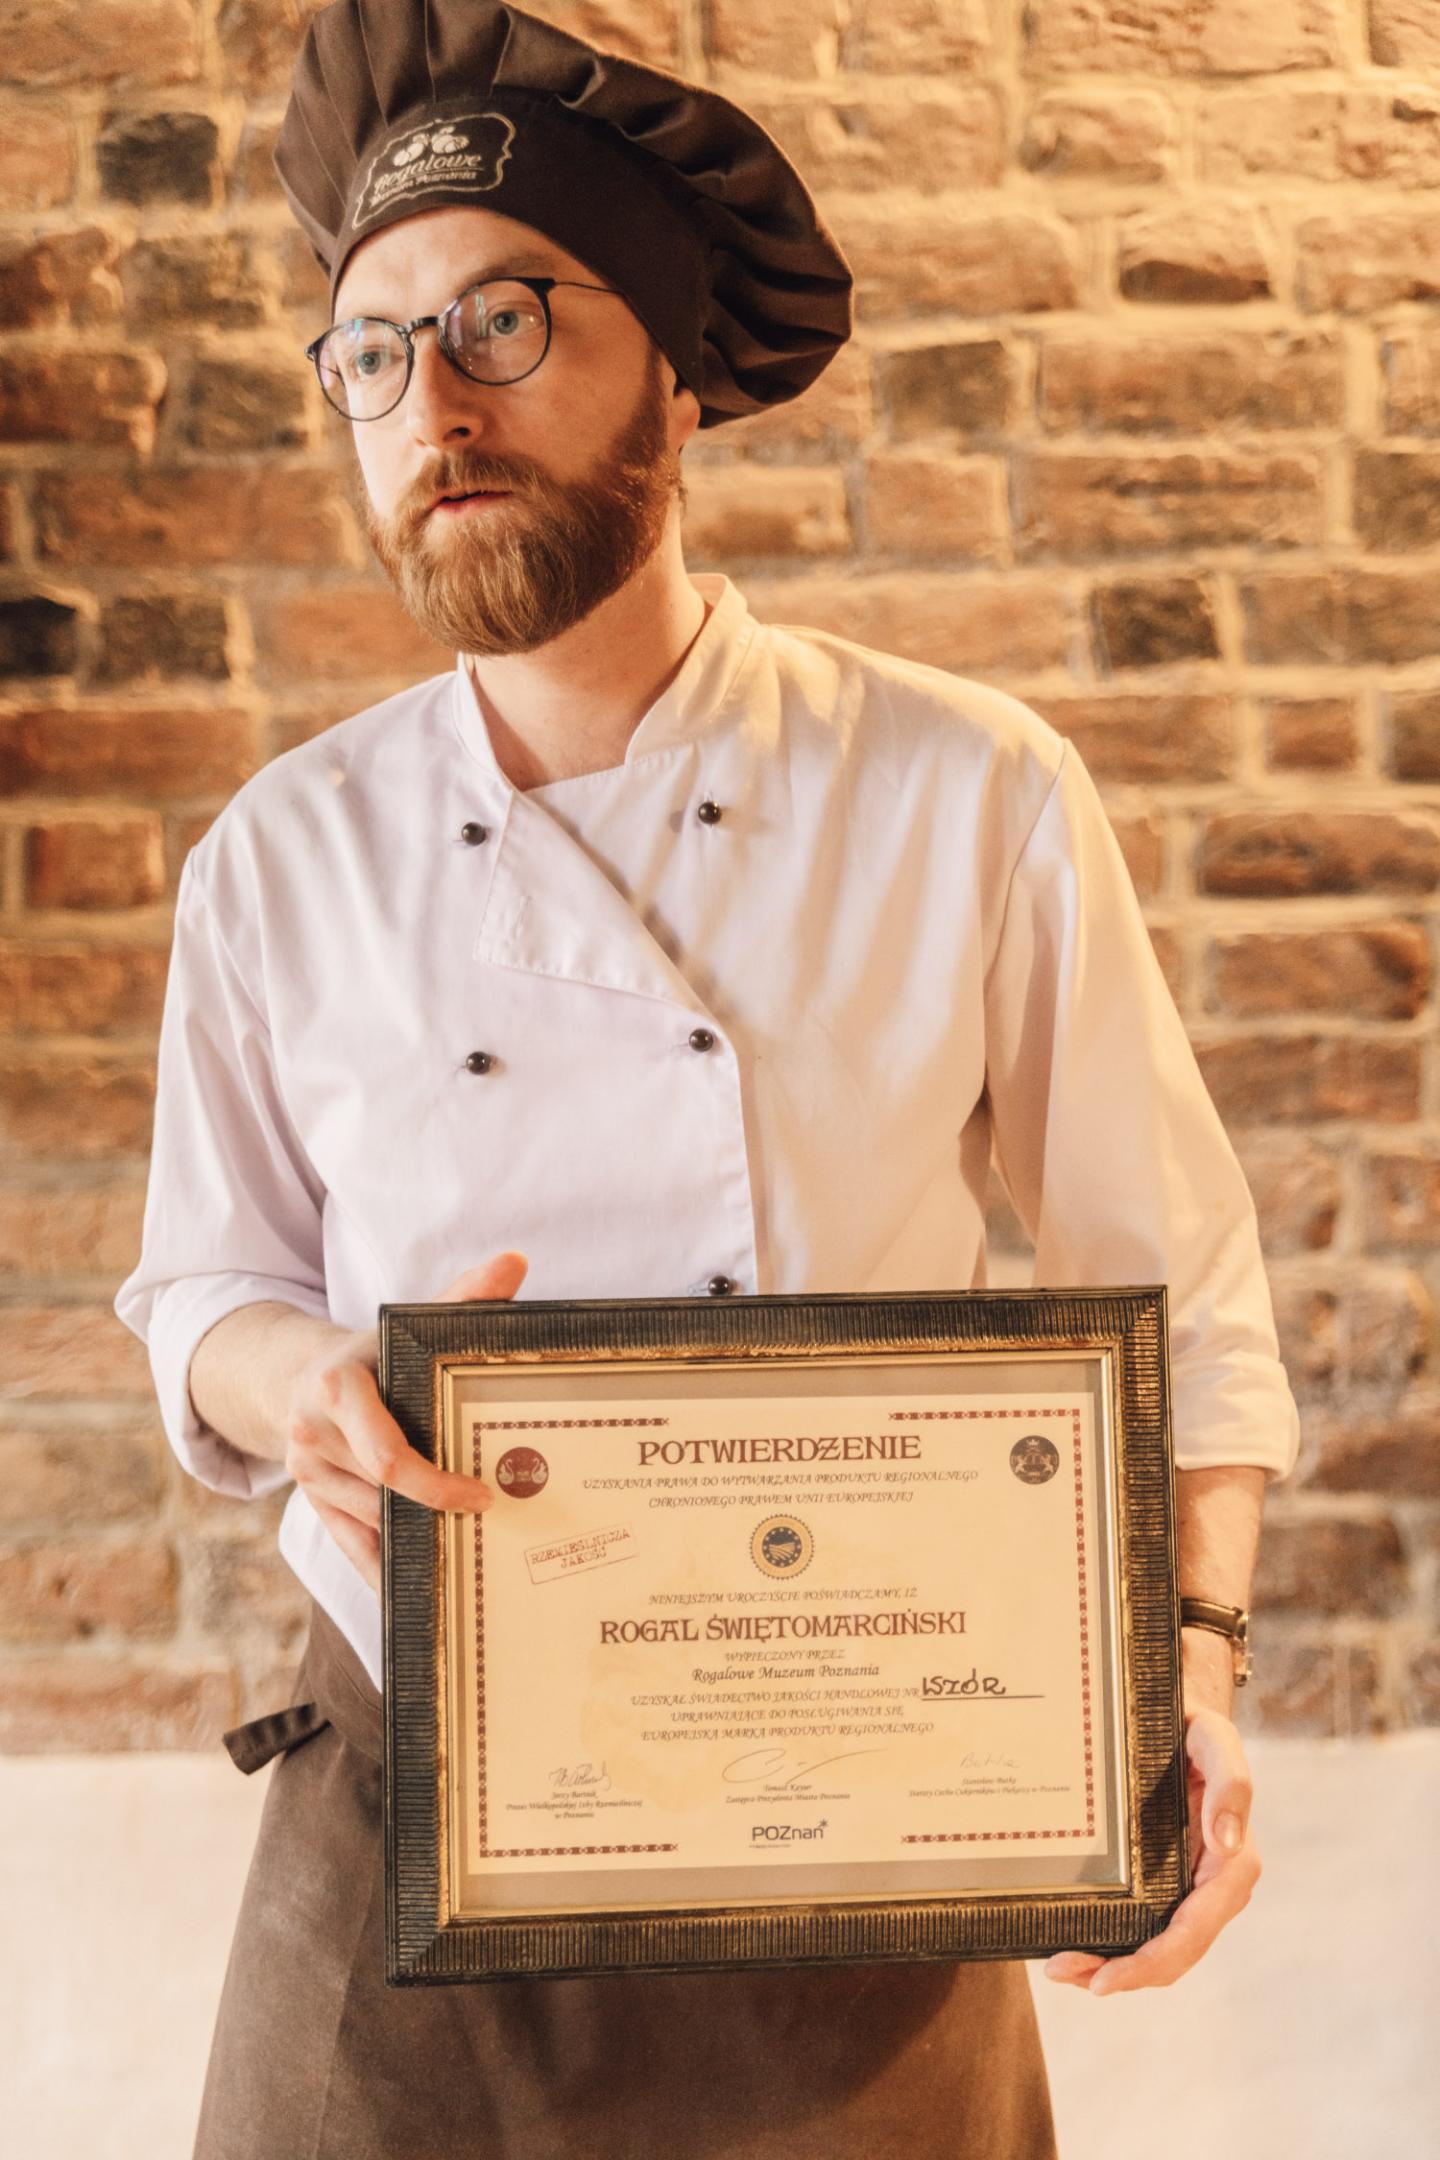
(315, 2058)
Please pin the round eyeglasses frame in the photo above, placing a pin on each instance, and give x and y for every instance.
(542, 287)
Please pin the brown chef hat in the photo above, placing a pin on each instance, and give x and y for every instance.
(667, 191)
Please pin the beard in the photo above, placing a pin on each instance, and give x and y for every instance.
(510, 579)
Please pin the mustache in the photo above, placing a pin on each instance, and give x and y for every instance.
(456, 474)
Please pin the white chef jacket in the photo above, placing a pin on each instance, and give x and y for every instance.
(911, 933)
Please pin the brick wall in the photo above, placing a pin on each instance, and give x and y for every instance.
(1142, 420)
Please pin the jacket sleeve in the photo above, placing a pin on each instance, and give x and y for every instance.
(1106, 1137)
(233, 1210)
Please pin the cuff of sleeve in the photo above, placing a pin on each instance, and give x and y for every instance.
(181, 1314)
(1244, 1419)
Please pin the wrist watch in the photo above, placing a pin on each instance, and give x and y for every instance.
(1231, 1620)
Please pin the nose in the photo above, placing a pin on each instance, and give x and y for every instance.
(442, 406)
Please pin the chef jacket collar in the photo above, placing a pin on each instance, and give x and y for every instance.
(680, 712)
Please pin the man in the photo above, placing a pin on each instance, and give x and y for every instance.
(655, 951)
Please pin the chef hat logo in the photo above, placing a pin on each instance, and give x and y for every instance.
(467, 155)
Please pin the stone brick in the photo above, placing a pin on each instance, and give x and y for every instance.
(1410, 379)
(1376, 971)
(1330, 1567)
(1347, 616)
(68, 1703)
(75, 1109)
(204, 278)
(909, 262)
(1415, 735)
(1387, 1329)
(247, 404)
(186, 516)
(38, 636)
(1402, 1197)
(1276, 852)
(1142, 843)
(10, 524)
(99, 862)
(76, 1475)
(99, 41)
(1101, 135)
(151, 637)
(1397, 499)
(1361, 260)
(1404, 33)
(63, 1353)
(1397, 1454)
(935, 618)
(1194, 252)
(51, 1233)
(1182, 37)
(304, 287)
(766, 510)
(159, 157)
(1169, 949)
(928, 505)
(1311, 734)
(1149, 740)
(81, 397)
(1322, 134)
(343, 630)
(947, 138)
(1152, 622)
(1420, 1701)
(790, 37)
(914, 37)
(1295, 1184)
(39, 165)
(1307, 1330)
(80, 989)
(1315, 1688)
(1077, 505)
(252, 177)
(63, 277)
(158, 754)
(230, 1584)
(1298, 1079)
(836, 412)
(968, 388)
(66, 1592)
(1192, 386)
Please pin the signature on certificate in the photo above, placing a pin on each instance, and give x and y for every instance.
(581, 1777)
(771, 1764)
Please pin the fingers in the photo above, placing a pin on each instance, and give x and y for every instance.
(1194, 1925)
(499, 1277)
(1217, 1753)
(386, 1456)
(355, 1541)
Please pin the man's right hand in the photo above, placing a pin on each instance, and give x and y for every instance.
(342, 1444)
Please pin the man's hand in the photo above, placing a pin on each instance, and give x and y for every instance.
(1225, 1866)
(342, 1444)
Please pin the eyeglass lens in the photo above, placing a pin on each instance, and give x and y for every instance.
(494, 332)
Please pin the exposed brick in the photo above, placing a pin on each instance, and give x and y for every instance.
(789, 37)
(1155, 385)
(153, 637)
(210, 277)
(159, 157)
(48, 1233)
(82, 397)
(914, 263)
(1404, 33)
(1295, 1184)
(1415, 735)
(1170, 952)
(304, 286)
(1347, 616)
(1397, 1454)
(1420, 1702)
(64, 277)
(1298, 1079)
(231, 1584)
(65, 1592)
(1314, 851)
(98, 862)
(259, 40)
(187, 515)
(1313, 1688)
(38, 636)
(351, 630)
(1410, 379)
(835, 412)
(1307, 1329)
(1149, 739)
(1182, 37)
(1103, 135)
(1387, 1329)
(944, 139)
(75, 1109)
(1328, 1566)
(99, 41)
(929, 505)
(39, 165)
(1150, 622)
(252, 177)
(1142, 843)
(9, 524)
(1076, 505)
(1397, 499)
(159, 754)
(766, 510)
(1202, 252)
(78, 1704)
(969, 388)
(80, 989)
(991, 628)
(59, 1353)
(1311, 734)
(247, 404)
(914, 37)
(65, 1478)
(1402, 1197)
(1379, 971)
(1361, 260)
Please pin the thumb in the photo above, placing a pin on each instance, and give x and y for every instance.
(499, 1277)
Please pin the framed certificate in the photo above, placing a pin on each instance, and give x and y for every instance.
(800, 1629)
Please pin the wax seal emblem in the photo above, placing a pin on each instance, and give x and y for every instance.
(1034, 1459)
(522, 1472)
(781, 1546)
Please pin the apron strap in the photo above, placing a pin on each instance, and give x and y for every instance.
(338, 1691)
(252, 1746)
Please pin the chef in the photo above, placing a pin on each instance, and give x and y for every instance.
(651, 950)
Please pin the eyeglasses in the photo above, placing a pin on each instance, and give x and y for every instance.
(495, 332)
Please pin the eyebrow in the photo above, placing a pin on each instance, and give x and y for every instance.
(525, 266)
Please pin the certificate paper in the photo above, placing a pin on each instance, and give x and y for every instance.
(737, 1639)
